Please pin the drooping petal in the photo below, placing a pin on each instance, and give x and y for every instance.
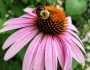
(75, 39)
(70, 25)
(15, 36)
(68, 58)
(76, 52)
(48, 54)
(40, 56)
(19, 21)
(11, 27)
(29, 11)
(59, 49)
(28, 62)
(19, 44)
(54, 55)
(43, 65)
(67, 54)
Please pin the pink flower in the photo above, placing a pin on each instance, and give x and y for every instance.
(53, 39)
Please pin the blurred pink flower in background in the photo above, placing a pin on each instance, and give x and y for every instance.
(53, 39)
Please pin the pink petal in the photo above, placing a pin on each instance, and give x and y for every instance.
(68, 59)
(19, 44)
(40, 58)
(75, 39)
(54, 58)
(19, 21)
(30, 54)
(59, 49)
(76, 53)
(11, 27)
(48, 54)
(29, 11)
(27, 16)
(15, 36)
(67, 53)
(70, 25)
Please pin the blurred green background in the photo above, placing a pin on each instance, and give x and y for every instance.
(79, 10)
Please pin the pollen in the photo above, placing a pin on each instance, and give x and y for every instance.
(53, 23)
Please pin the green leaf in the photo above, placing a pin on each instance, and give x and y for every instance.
(75, 7)
(31, 6)
(14, 65)
(12, 1)
(76, 18)
(50, 1)
(8, 2)
(32, 2)
(74, 64)
(38, 0)
(1, 23)
(17, 9)
(22, 52)
(42, 3)
(3, 9)
(25, 1)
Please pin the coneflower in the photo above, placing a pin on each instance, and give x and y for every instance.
(53, 39)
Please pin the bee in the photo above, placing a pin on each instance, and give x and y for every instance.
(41, 12)
(38, 10)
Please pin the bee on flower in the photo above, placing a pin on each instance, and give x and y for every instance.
(53, 39)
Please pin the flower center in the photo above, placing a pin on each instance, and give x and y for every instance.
(50, 20)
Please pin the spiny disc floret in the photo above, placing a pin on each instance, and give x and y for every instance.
(54, 24)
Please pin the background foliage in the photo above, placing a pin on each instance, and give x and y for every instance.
(79, 10)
